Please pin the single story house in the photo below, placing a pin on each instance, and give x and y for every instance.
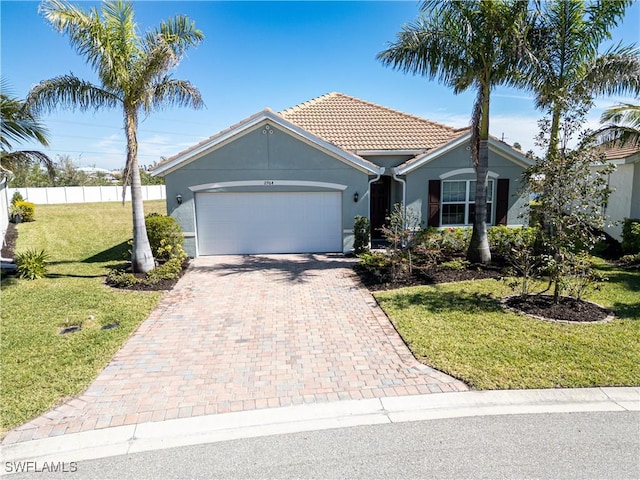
(624, 182)
(293, 181)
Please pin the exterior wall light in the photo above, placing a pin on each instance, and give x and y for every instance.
(179, 199)
(356, 197)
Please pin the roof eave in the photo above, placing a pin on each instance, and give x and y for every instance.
(205, 147)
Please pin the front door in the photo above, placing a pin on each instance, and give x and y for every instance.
(380, 205)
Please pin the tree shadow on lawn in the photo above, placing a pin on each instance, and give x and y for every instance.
(437, 301)
(294, 268)
(629, 278)
(626, 311)
(115, 253)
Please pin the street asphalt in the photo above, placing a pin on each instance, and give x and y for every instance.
(69, 453)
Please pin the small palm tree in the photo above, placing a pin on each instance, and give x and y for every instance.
(569, 67)
(622, 126)
(134, 75)
(467, 44)
(19, 124)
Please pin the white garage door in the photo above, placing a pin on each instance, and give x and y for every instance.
(275, 222)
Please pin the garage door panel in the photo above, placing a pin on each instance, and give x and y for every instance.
(276, 222)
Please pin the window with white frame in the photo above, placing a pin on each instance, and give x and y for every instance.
(459, 202)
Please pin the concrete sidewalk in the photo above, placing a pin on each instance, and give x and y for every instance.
(307, 417)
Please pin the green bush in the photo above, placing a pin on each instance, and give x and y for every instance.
(164, 234)
(631, 235)
(32, 264)
(168, 271)
(25, 210)
(361, 234)
(16, 197)
(121, 279)
(377, 264)
(449, 241)
(630, 260)
(503, 239)
(457, 264)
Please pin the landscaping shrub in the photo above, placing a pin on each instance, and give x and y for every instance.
(631, 235)
(16, 197)
(170, 270)
(377, 264)
(164, 234)
(121, 279)
(361, 234)
(24, 210)
(32, 264)
(457, 264)
(631, 260)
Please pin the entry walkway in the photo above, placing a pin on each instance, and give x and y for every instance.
(241, 333)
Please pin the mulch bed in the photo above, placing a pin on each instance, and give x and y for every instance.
(540, 306)
(160, 285)
(426, 277)
(567, 310)
(10, 238)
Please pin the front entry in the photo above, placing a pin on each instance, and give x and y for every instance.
(380, 206)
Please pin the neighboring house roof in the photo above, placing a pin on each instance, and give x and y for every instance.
(356, 125)
(616, 154)
(246, 125)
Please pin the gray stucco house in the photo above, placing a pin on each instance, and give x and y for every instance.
(624, 182)
(293, 181)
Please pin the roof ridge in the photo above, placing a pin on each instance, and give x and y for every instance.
(400, 112)
(307, 103)
(300, 106)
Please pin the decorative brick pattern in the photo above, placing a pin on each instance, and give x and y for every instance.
(248, 332)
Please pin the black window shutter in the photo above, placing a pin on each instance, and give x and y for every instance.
(502, 201)
(434, 203)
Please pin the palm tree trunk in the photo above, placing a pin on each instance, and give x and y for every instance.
(478, 251)
(141, 255)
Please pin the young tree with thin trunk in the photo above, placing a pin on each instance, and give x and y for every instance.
(467, 44)
(133, 73)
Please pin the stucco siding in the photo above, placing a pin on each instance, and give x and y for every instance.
(635, 193)
(621, 182)
(460, 160)
(267, 158)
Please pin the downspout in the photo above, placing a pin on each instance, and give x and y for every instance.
(403, 182)
(377, 177)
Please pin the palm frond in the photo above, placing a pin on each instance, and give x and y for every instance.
(68, 91)
(12, 160)
(18, 123)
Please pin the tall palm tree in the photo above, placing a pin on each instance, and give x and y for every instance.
(622, 126)
(134, 75)
(466, 44)
(19, 124)
(569, 67)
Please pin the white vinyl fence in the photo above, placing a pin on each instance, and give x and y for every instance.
(111, 193)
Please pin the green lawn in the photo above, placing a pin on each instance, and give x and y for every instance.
(461, 329)
(40, 368)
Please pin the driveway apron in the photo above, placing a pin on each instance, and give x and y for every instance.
(248, 332)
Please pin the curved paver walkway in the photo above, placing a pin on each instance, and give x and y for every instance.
(248, 332)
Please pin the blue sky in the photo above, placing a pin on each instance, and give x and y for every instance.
(256, 55)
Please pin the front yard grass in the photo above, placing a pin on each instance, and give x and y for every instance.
(461, 329)
(40, 367)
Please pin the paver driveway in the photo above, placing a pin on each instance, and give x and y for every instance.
(247, 332)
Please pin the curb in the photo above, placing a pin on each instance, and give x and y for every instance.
(257, 423)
